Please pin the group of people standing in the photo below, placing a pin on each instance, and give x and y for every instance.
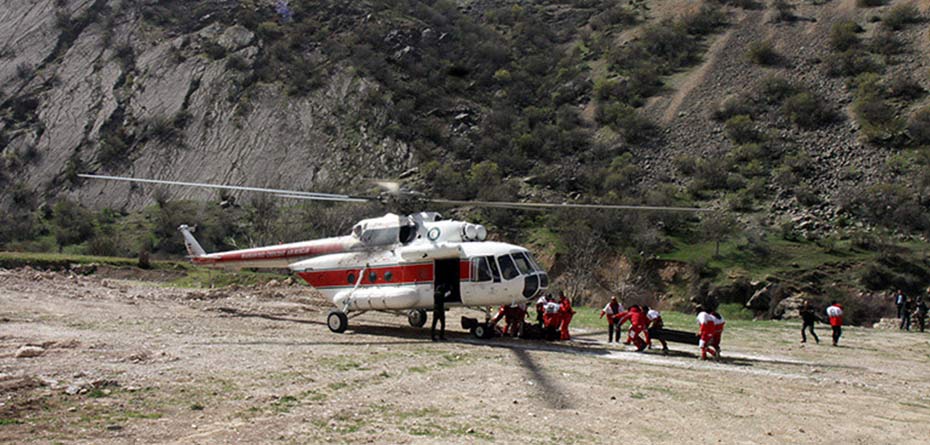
(911, 310)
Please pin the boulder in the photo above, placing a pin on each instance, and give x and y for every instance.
(29, 351)
(887, 323)
(235, 37)
(787, 309)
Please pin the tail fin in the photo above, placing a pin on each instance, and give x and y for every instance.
(193, 247)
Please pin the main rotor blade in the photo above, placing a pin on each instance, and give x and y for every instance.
(546, 205)
(278, 192)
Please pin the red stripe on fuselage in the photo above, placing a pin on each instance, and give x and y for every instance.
(398, 274)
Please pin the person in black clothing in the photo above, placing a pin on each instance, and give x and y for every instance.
(808, 318)
(920, 313)
(439, 312)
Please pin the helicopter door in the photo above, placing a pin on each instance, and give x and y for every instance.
(446, 271)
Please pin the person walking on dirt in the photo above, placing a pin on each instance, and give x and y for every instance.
(900, 300)
(920, 313)
(808, 318)
(611, 310)
(439, 312)
(835, 312)
(655, 327)
(565, 315)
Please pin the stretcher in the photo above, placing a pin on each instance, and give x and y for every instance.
(689, 338)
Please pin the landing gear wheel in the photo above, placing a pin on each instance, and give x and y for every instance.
(337, 321)
(481, 330)
(417, 318)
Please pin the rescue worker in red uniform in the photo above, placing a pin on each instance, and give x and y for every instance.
(719, 322)
(835, 312)
(706, 332)
(551, 316)
(565, 315)
(638, 325)
(611, 310)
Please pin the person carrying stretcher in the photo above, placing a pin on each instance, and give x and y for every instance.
(654, 330)
(638, 322)
(706, 333)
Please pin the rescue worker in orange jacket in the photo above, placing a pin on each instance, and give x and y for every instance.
(706, 333)
(639, 325)
(835, 312)
(565, 314)
(611, 310)
(551, 317)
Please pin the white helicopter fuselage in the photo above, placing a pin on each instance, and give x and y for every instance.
(395, 263)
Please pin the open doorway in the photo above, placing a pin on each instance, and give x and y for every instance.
(447, 272)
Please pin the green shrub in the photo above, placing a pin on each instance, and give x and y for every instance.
(774, 90)
(919, 126)
(870, 3)
(707, 20)
(72, 223)
(808, 111)
(629, 122)
(762, 52)
(900, 16)
(214, 50)
(904, 87)
(887, 44)
(25, 71)
(845, 35)
(237, 63)
(616, 15)
(742, 130)
(784, 11)
(878, 120)
(851, 62)
(732, 106)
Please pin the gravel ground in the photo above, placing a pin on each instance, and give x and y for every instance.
(134, 362)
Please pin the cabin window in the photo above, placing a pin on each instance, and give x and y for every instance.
(388, 276)
(372, 276)
(482, 270)
(508, 269)
(495, 272)
(523, 263)
(351, 278)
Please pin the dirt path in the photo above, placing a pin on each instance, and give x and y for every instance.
(131, 362)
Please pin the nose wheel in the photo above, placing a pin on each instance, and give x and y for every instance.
(417, 318)
(337, 321)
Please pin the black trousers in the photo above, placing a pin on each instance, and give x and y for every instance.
(610, 332)
(440, 316)
(804, 328)
(837, 332)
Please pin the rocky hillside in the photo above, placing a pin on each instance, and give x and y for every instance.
(803, 120)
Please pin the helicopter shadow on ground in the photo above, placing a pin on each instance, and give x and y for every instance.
(411, 334)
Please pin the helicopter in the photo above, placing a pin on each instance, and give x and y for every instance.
(393, 263)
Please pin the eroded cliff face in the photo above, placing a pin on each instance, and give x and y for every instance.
(92, 87)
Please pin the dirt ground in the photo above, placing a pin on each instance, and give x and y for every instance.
(134, 362)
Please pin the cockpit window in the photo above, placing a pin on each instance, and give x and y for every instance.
(523, 263)
(483, 270)
(508, 269)
(533, 262)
